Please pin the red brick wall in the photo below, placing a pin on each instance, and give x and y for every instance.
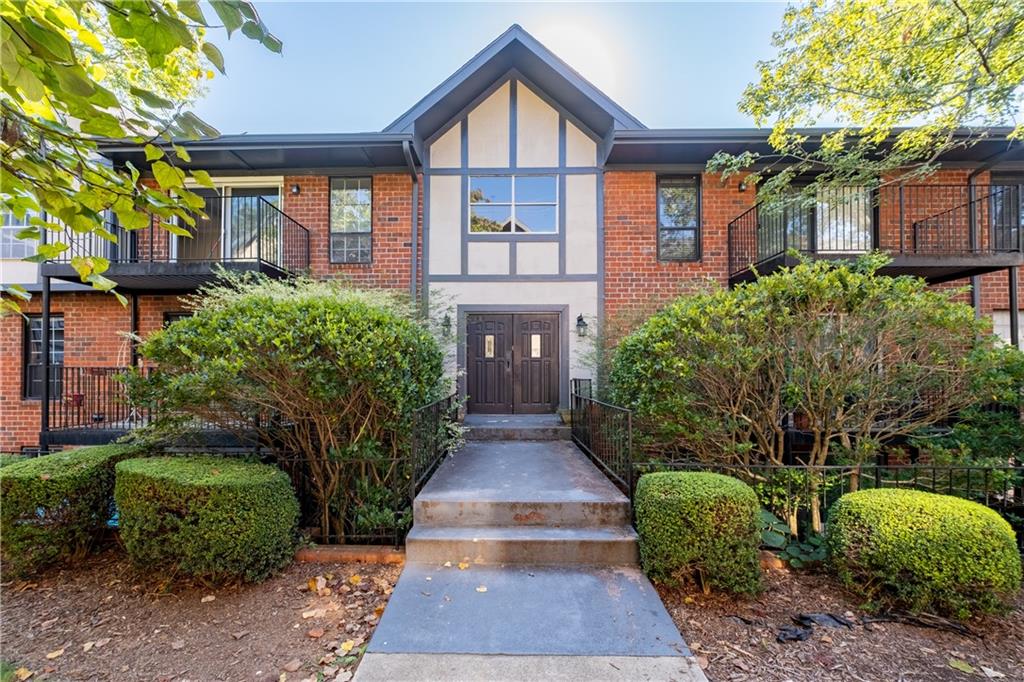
(94, 327)
(635, 280)
(392, 208)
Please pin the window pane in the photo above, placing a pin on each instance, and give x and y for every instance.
(677, 203)
(490, 189)
(33, 382)
(351, 248)
(843, 218)
(536, 189)
(536, 219)
(678, 244)
(351, 201)
(490, 218)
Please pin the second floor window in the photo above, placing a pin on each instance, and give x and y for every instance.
(33, 381)
(351, 220)
(513, 204)
(679, 219)
(10, 245)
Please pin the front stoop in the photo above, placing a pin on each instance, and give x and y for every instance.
(522, 565)
(515, 427)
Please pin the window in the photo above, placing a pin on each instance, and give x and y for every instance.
(351, 220)
(679, 219)
(10, 245)
(513, 203)
(33, 382)
(170, 317)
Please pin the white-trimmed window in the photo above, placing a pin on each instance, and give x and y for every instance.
(503, 204)
(10, 246)
(351, 220)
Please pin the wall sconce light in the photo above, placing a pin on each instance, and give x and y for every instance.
(581, 326)
(446, 325)
(296, 189)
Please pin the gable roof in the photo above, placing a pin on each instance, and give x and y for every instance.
(515, 49)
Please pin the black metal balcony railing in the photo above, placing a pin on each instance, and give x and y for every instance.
(231, 229)
(92, 398)
(902, 220)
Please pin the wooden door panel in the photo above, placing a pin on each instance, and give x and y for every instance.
(488, 364)
(536, 353)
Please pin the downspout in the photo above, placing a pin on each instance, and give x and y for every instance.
(972, 227)
(414, 230)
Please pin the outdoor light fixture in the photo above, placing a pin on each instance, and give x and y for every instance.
(581, 326)
(446, 325)
(295, 189)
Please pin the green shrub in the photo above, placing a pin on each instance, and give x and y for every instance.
(699, 523)
(326, 374)
(925, 552)
(7, 458)
(52, 507)
(214, 518)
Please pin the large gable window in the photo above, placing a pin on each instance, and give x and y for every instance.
(351, 220)
(679, 219)
(513, 204)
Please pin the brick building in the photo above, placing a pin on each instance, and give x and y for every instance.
(517, 192)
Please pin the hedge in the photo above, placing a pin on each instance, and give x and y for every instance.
(213, 518)
(924, 552)
(697, 523)
(52, 507)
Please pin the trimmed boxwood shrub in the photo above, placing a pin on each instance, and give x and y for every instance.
(925, 552)
(53, 506)
(697, 523)
(213, 518)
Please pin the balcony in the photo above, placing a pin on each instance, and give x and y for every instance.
(937, 232)
(237, 233)
(90, 406)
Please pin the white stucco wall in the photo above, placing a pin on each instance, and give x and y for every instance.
(536, 130)
(581, 224)
(537, 258)
(488, 258)
(445, 216)
(580, 150)
(446, 152)
(488, 134)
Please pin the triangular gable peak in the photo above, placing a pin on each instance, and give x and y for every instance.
(515, 53)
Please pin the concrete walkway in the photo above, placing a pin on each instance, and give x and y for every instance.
(522, 565)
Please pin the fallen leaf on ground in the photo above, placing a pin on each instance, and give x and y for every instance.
(88, 646)
(481, 589)
(347, 645)
(178, 644)
(315, 633)
(991, 674)
(55, 654)
(102, 641)
(463, 565)
(447, 564)
(23, 674)
(207, 598)
(240, 634)
(343, 676)
(356, 579)
(961, 665)
(292, 665)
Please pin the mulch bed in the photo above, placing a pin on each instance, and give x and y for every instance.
(735, 639)
(103, 620)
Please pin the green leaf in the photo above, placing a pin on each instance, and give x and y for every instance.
(962, 666)
(214, 55)
(229, 14)
(167, 176)
(182, 153)
(153, 152)
(203, 178)
(192, 10)
(151, 99)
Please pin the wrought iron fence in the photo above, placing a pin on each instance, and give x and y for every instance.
(792, 491)
(432, 438)
(231, 229)
(937, 220)
(604, 432)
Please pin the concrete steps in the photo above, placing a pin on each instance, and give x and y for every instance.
(557, 513)
(542, 427)
(534, 545)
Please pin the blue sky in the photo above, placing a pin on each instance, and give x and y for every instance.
(353, 67)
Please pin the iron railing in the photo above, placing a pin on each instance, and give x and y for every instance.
(787, 490)
(92, 398)
(933, 220)
(231, 229)
(432, 438)
(604, 432)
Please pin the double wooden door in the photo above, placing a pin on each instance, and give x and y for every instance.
(512, 363)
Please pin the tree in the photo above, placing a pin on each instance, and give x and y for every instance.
(861, 359)
(938, 65)
(74, 72)
(324, 375)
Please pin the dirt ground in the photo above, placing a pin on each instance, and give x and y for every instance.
(731, 649)
(102, 620)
